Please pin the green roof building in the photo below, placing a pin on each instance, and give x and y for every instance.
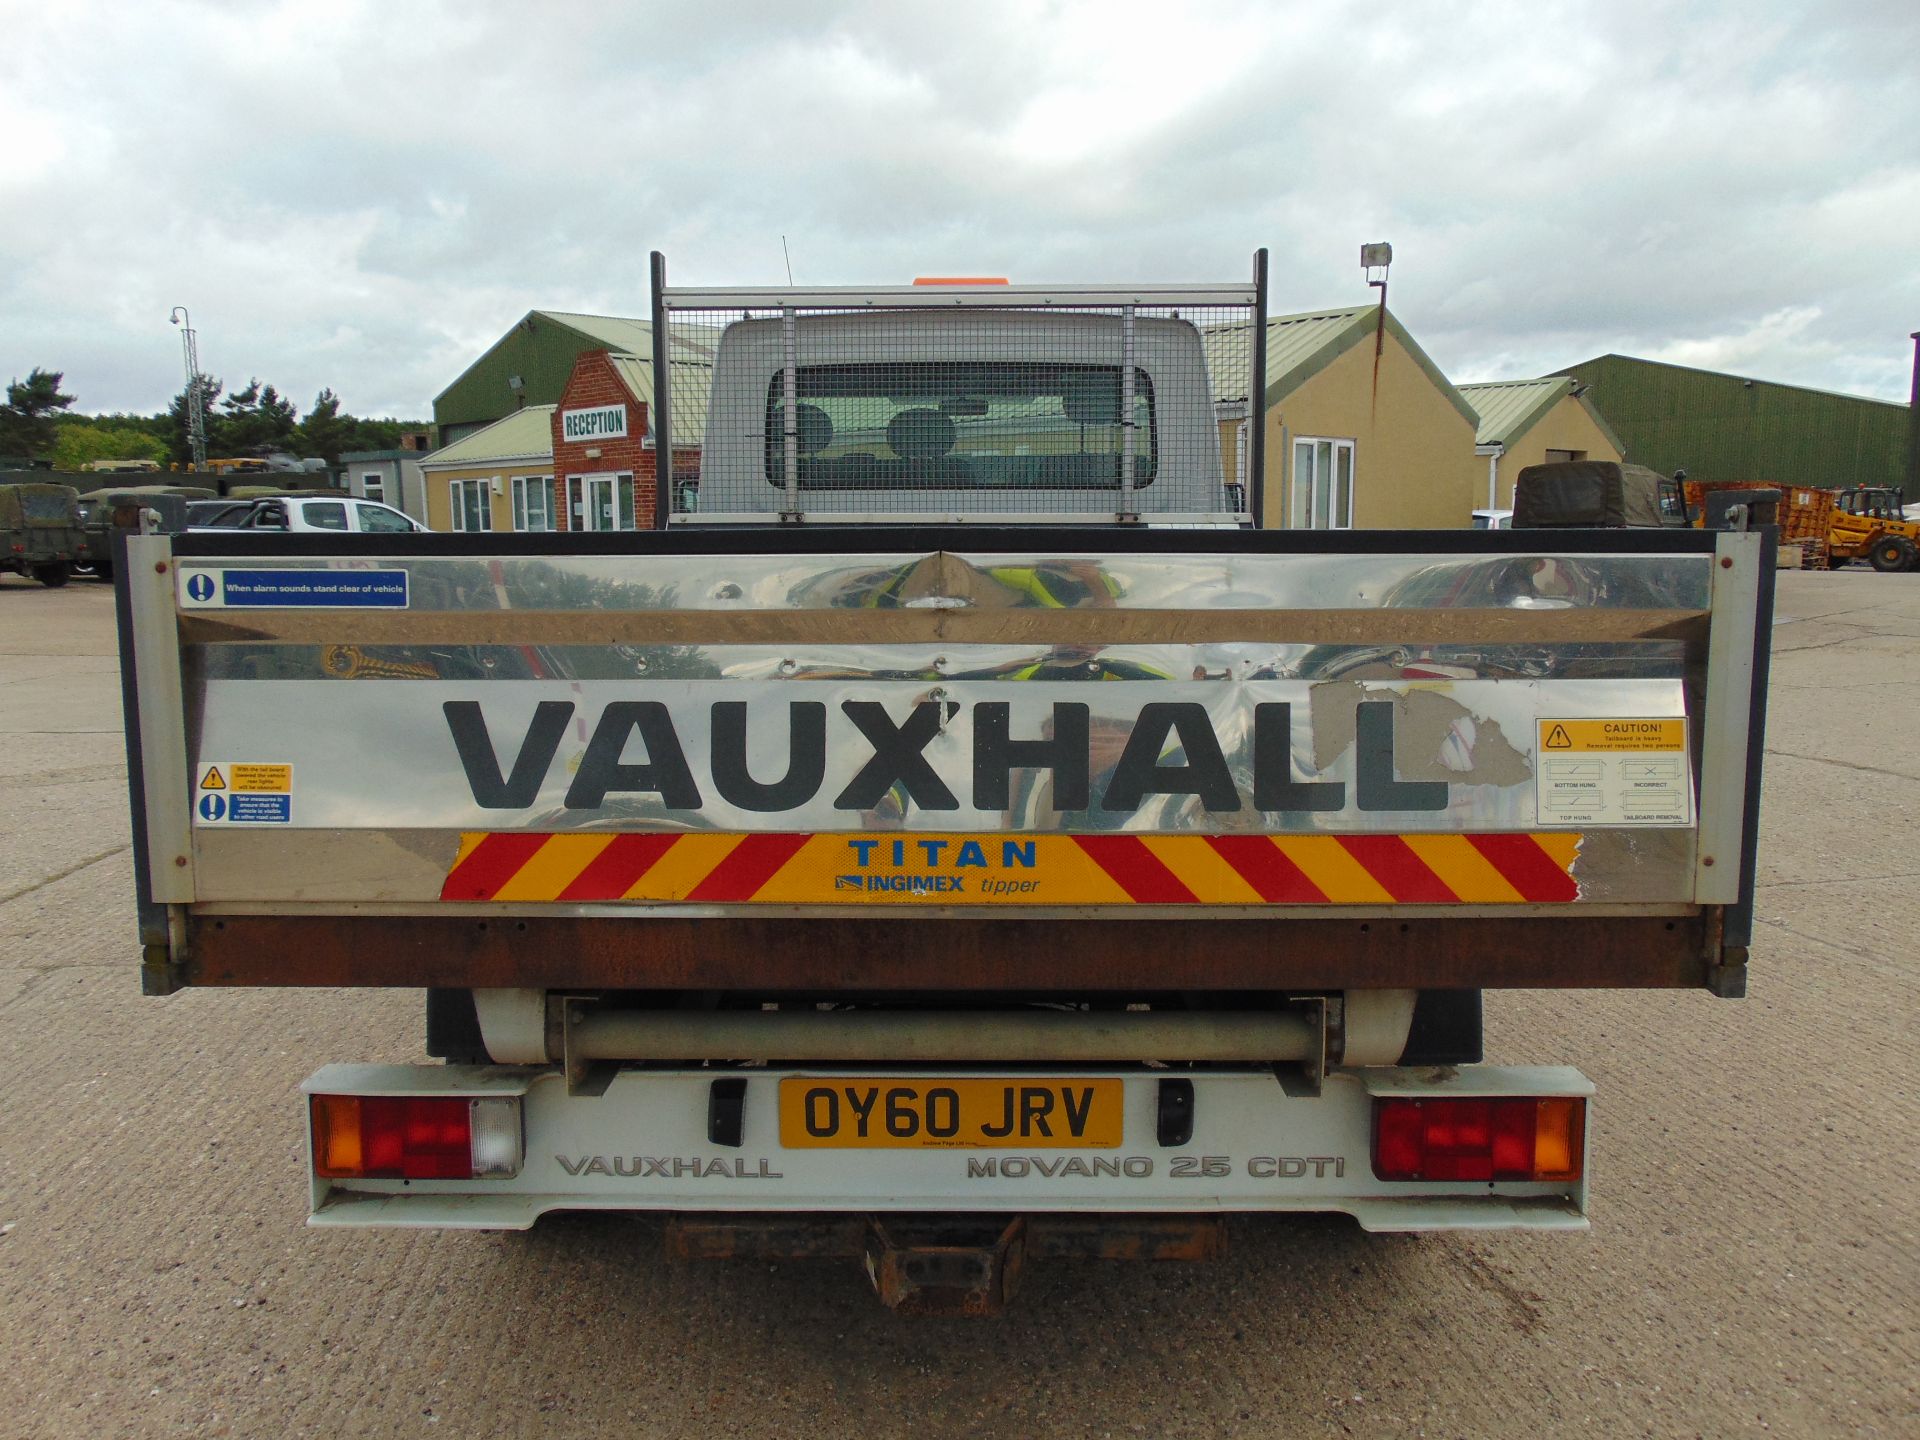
(1359, 438)
(529, 365)
(1729, 427)
(1535, 422)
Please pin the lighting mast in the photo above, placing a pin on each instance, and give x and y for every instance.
(196, 410)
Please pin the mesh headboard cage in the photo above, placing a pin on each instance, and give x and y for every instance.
(970, 402)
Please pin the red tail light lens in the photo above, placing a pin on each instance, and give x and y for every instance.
(392, 1137)
(1510, 1138)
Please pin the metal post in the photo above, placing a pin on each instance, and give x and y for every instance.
(196, 408)
(1257, 396)
(660, 420)
(1128, 512)
(196, 400)
(790, 409)
(1913, 426)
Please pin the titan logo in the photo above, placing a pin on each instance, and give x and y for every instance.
(897, 763)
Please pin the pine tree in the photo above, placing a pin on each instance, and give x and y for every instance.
(27, 419)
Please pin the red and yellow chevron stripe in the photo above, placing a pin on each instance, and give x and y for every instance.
(1001, 869)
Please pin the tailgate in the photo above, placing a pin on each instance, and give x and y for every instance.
(703, 760)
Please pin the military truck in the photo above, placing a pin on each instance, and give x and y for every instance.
(1603, 494)
(40, 534)
(117, 506)
(968, 838)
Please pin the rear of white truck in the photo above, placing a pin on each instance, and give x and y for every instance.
(843, 869)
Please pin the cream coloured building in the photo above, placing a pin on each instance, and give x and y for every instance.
(1357, 439)
(1533, 422)
(499, 477)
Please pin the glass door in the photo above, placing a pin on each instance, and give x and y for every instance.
(600, 501)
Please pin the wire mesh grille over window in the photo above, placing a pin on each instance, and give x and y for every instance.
(960, 425)
(1020, 410)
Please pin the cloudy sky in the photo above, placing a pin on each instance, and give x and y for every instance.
(366, 195)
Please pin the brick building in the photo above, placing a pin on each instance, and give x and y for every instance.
(603, 461)
(586, 462)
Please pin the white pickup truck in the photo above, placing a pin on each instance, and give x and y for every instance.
(327, 514)
(957, 835)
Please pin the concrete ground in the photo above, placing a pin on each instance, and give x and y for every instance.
(1754, 1264)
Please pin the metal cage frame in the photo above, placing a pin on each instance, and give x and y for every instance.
(1126, 302)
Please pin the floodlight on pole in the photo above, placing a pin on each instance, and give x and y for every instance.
(1377, 256)
(196, 407)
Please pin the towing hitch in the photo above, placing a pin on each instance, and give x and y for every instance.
(946, 1264)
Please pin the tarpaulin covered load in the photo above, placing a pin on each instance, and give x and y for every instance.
(1586, 493)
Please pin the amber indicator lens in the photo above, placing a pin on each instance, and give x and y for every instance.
(392, 1137)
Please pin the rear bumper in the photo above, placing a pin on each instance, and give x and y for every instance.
(643, 1144)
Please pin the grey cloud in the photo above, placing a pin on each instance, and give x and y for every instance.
(364, 197)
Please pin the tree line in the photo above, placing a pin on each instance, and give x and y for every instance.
(37, 424)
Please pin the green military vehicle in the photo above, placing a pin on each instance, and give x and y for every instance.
(40, 532)
(102, 510)
(1597, 494)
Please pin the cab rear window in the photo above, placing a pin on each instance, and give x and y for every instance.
(961, 425)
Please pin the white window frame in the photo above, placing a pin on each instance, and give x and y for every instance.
(373, 485)
(1243, 463)
(457, 504)
(541, 485)
(580, 495)
(1306, 510)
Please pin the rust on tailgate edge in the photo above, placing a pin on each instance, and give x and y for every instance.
(784, 954)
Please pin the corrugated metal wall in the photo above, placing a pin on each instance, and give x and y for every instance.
(538, 350)
(1721, 427)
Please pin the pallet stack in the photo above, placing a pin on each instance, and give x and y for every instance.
(1803, 519)
(1803, 513)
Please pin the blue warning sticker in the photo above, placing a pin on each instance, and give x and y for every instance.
(259, 809)
(294, 589)
(243, 792)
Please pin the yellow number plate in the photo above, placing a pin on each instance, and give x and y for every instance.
(866, 1112)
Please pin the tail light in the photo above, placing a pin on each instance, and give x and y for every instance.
(415, 1137)
(1511, 1138)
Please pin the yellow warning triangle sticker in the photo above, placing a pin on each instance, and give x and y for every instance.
(1557, 739)
(213, 781)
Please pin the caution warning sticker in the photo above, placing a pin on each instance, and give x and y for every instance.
(1609, 735)
(260, 779)
(1622, 771)
(243, 792)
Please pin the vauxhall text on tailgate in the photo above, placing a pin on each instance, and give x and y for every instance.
(951, 831)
